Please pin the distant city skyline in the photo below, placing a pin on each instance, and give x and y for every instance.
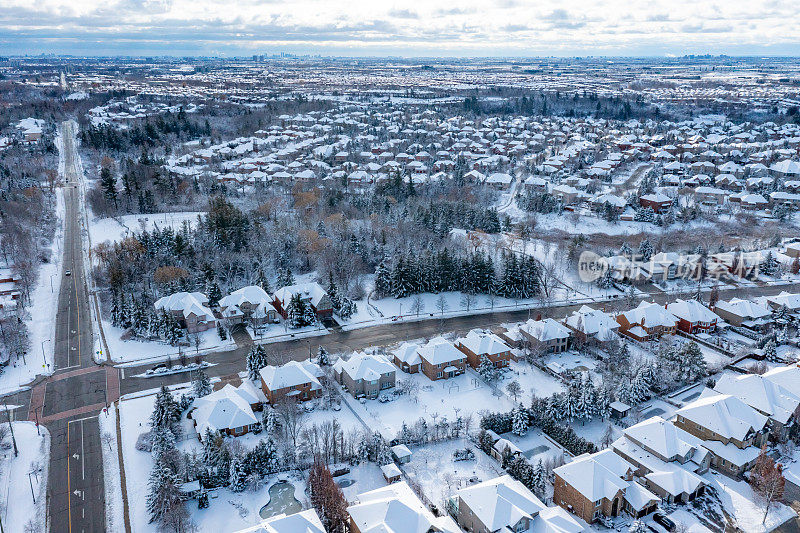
(409, 29)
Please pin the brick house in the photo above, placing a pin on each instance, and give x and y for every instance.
(228, 411)
(731, 430)
(745, 313)
(656, 201)
(547, 334)
(648, 321)
(365, 375)
(189, 309)
(296, 380)
(693, 317)
(441, 360)
(311, 293)
(601, 484)
(407, 358)
(477, 344)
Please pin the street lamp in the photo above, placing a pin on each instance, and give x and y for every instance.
(44, 357)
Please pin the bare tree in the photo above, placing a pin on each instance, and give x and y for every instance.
(291, 417)
(441, 304)
(767, 481)
(417, 304)
(514, 389)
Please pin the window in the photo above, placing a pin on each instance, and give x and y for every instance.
(440, 374)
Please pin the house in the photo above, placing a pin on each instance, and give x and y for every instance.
(601, 484)
(407, 358)
(395, 508)
(587, 323)
(499, 504)
(647, 321)
(365, 375)
(296, 380)
(303, 522)
(745, 313)
(785, 300)
(693, 317)
(730, 429)
(401, 454)
(619, 410)
(762, 394)
(669, 460)
(657, 201)
(190, 309)
(228, 411)
(311, 293)
(248, 304)
(546, 334)
(478, 344)
(502, 447)
(440, 359)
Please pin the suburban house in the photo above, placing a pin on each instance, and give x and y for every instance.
(407, 358)
(296, 380)
(302, 522)
(657, 201)
(478, 344)
(440, 359)
(396, 508)
(190, 309)
(587, 323)
(228, 410)
(668, 460)
(546, 334)
(785, 300)
(601, 484)
(504, 504)
(365, 375)
(743, 313)
(248, 304)
(311, 293)
(693, 317)
(768, 398)
(646, 322)
(729, 428)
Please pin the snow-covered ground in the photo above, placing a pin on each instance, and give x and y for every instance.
(533, 381)
(41, 319)
(465, 395)
(136, 351)
(115, 520)
(117, 228)
(740, 504)
(16, 501)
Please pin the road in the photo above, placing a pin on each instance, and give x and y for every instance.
(68, 402)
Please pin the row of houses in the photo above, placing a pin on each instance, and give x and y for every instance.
(249, 304)
(660, 460)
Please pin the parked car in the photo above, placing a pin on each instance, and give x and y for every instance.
(663, 521)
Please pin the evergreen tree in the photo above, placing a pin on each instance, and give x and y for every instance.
(163, 493)
(256, 360)
(238, 476)
(693, 365)
(520, 423)
(323, 359)
(770, 265)
(383, 280)
(221, 332)
(166, 410)
(539, 480)
(286, 278)
(645, 250)
(201, 386)
(771, 351)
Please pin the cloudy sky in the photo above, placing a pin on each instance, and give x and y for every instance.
(411, 28)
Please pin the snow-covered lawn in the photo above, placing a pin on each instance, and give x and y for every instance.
(593, 430)
(533, 381)
(126, 351)
(433, 467)
(115, 229)
(738, 500)
(16, 501)
(464, 396)
(362, 478)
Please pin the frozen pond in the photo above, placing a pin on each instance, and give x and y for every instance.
(281, 500)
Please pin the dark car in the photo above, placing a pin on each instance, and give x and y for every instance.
(664, 522)
(68, 273)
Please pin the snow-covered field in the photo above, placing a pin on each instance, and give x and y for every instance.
(16, 501)
(115, 229)
(740, 504)
(533, 381)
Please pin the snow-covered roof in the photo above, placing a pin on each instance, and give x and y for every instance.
(483, 343)
(788, 299)
(291, 374)
(439, 350)
(651, 315)
(555, 520)
(743, 308)
(725, 415)
(408, 353)
(761, 394)
(253, 295)
(303, 522)
(501, 502)
(545, 330)
(692, 311)
(596, 476)
(312, 291)
(224, 409)
(187, 303)
(396, 509)
(787, 377)
(591, 321)
(665, 439)
(364, 366)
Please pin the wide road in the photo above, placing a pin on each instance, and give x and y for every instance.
(68, 402)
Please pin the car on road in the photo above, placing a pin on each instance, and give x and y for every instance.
(663, 521)
(68, 273)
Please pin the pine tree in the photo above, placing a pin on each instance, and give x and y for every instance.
(166, 410)
(221, 332)
(645, 250)
(286, 278)
(770, 265)
(201, 386)
(520, 423)
(296, 311)
(771, 351)
(539, 480)
(163, 493)
(383, 279)
(238, 476)
(256, 360)
(487, 369)
(693, 365)
(323, 359)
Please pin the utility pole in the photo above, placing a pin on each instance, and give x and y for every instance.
(11, 427)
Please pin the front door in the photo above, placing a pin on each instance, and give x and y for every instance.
(614, 507)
